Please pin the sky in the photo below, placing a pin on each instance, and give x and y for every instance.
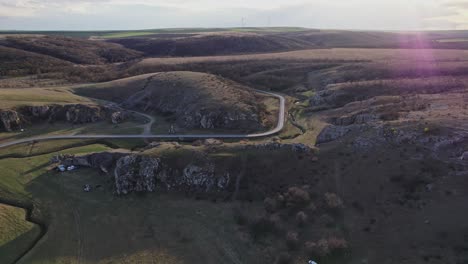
(149, 14)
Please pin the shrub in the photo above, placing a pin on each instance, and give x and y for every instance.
(297, 197)
(317, 249)
(292, 240)
(280, 201)
(301, 218)
(333, 201)
(325, 247)
(336, 244)
(270, 205)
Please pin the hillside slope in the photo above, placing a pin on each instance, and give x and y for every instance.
(78, 51)
(223, 43)
(189, 99)
(211, 44)
(14, 62)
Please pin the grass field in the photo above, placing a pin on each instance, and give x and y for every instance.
(126, 34)
(62, 128)
(15, 232)
(131, 33)
(100, 227)
(38, 96)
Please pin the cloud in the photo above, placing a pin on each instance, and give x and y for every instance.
(138, 14)
(457, 4)
(453, 15)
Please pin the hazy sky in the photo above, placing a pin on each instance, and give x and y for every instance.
(141, 14)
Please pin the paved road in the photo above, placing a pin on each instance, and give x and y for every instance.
(146, 132)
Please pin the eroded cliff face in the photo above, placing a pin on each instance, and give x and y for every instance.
(133, 173)
(10, 120)
(199, 100)
(140, 173)
(14, 119)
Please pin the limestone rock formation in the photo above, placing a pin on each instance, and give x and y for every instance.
(140, 173)
(118, 117)
(331, 133)
(135, 173)
(10, 120)
(202, 178)
(73, 113)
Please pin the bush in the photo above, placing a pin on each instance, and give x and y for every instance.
(292, 240)
(336, 244)
(317, 249)
(270, 205)
(297, 197)
(280, 201)
(301, 218)
(325, 247)
(333, 201)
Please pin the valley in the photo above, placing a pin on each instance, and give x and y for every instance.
(260, 145)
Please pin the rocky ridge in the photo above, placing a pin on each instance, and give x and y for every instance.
(141, 173)
(15, 119)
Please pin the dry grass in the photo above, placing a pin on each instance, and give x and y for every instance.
(10, 98)
(15, 232)
(335, 54)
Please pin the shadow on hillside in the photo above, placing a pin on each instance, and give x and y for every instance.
(12, 251)
(98, 226)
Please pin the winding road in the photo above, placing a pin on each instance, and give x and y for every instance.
(147, 130)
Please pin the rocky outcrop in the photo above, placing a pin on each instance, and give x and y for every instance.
(79, 114)
(295, 147)
(331, 133)
(197, 100)
(72, 113)
(464, 156)
(140, 173)
(104, 161)
(218, 118)
(135, 173)
(362, 118)
(202, 178)
(118, 117)
(10, 120)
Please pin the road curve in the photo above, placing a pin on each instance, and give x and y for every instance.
(146, 135)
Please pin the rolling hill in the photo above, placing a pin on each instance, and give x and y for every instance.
(189, 99)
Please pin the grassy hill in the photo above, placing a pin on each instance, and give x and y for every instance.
(16, 233)
(189, 99)
(240, 42)
(78, 51)
(10, 98)
(145, 32)
(16, 62)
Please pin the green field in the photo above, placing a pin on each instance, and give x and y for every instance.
(39, 96)
(136, 33)
(15, 233)
(99, 227)
(126, 34)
